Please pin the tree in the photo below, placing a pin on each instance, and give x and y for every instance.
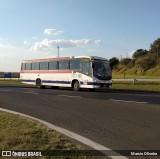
(155, 50)
(155, 44)
(113, 62)
(139, 53)
(125, 61)
(146, 62)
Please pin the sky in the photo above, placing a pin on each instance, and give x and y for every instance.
(31, 29)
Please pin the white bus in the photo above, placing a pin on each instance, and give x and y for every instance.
(75, 72)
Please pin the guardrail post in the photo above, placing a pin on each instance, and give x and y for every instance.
(124, 75)
(134, 81)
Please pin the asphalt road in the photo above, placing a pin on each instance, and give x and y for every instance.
(117, 120)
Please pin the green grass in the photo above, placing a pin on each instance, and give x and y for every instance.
(18, 133)
(13, 82)
(137, 87)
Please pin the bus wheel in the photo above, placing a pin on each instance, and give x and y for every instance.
(76, 86)
(39, 83)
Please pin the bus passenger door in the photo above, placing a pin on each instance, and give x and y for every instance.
(86, 68)
(86, 73)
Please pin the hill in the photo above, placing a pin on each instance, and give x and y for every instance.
(135, 72)
(143, 64)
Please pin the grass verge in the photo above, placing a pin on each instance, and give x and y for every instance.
(137, 87)
(18, 133)
(13, 82)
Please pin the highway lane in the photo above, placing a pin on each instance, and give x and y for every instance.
(125, 96)
(115, 120)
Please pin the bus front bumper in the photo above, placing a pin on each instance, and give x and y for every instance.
(102, 85)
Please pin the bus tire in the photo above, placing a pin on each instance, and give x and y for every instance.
(39, 83)
(76, 86)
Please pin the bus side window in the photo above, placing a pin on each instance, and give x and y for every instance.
(35, 66)
(23, 66)
(43, 65)
(64, 65)
(28, 66)
(75, 64)
(53, 65)
(86, 68)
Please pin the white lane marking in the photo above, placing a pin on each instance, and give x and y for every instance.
(128, 101)
(72, 135)
(5, 90)
(31, 92)
(69, 96)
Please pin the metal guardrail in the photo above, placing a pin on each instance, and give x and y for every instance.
(137, 80)
(15, 79)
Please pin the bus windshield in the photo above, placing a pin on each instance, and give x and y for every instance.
(101, 70)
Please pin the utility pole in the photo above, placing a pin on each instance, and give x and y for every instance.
(58, 51)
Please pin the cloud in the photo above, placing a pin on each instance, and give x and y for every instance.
(130, 54)
(25, 42)
(52, 32)
(52, 44)
(5, 45)
(4, 55)
(91, 50)
(34, 38)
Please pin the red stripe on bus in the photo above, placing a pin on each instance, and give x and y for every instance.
(47, 71)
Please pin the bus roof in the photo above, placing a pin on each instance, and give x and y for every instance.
(65, 58)
(91, 57)
(47, 59)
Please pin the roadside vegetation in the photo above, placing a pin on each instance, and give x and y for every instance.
(139, 86)
(13, 82)
(143, 64)
(18, 133)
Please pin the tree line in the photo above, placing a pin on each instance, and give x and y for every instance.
(143, 59)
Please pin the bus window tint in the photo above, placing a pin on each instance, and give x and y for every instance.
(64, 65)
(86, 68)
(35, 66)
(44, 66)
(75, 64)
(23, 66)
(53, 65)
(28, 66)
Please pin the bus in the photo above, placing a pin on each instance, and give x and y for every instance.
(75, 72)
